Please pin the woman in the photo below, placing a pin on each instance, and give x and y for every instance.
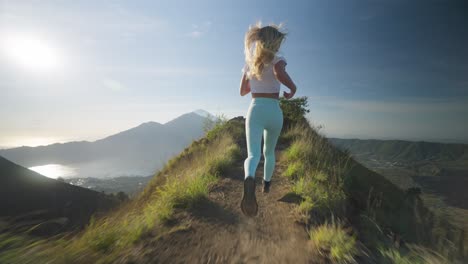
(263, 73)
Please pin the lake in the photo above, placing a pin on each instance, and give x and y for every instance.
(55, 170)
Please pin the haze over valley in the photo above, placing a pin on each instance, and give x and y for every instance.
(438, 170)
(139, 151)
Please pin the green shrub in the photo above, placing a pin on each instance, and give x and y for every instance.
(302, 187)
(306, 205)
(195, 189)
(164, 210)
(413, 255)
(221, 164)
(295, 152)
(294, 110)
(213, 126)
(105, 241)
(325, 198)
(393, 256)
(334, 243)
(295, 170)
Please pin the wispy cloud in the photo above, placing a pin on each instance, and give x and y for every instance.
(159, 70)
(195, 34)
(199, 30)
(113, 85)
(108, 19)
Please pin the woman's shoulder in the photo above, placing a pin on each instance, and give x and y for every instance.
(277, 58)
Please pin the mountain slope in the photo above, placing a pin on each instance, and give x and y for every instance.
(138, 151)
(323, 208)
(25, 194)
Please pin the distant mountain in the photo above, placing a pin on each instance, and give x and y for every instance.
(400, 150)
(437, 168)
(203, 113)
(138, 151)
(29, 198)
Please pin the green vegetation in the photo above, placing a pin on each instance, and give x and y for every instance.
(352, 214)
(212, 125)
(414, 255)
(317, 170)
(184, 180)
(332, 241)
(294, 110)
(375, 212)
(435, 172)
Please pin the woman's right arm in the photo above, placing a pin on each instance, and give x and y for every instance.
(283, 77)
(244, 85)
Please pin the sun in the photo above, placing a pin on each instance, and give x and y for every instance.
(31, 52)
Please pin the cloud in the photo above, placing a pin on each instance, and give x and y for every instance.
(158, 70)
(195, 34)
(113, 85)
(199, 30)
(102, 20)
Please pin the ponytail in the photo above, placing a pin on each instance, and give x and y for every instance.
(267, 42)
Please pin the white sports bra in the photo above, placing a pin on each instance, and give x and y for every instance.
(268, 83)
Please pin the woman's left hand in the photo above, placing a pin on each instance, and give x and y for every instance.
(288, 95)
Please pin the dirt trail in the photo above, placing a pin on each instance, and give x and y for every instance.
(216, 231)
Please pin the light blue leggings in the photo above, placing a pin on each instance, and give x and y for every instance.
(263, 117)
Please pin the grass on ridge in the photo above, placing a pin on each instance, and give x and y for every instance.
(180, 184)
(334, 243)
(415, 255)
(327, 179)
(317, 170)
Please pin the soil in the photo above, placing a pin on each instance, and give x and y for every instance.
(216, 231)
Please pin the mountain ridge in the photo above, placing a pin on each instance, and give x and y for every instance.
(402, 150)
(122, 154)
(24, 192)
(323, 207)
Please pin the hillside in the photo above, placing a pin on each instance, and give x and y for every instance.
(138, 151)
(403, 151)
(28, 198)
(438, 170)
(323, 208)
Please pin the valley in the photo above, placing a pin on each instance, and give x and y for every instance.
(439, 170)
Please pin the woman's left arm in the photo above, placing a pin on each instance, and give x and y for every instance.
(244, 85)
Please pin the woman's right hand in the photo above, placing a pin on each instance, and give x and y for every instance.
(244, 85)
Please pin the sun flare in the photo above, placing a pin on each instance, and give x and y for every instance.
(31, 52)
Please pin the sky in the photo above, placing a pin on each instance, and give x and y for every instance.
(83, 70)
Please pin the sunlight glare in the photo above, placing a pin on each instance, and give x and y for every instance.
(54, 170)
(31, 52)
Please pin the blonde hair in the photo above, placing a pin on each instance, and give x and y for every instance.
(267, 42)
